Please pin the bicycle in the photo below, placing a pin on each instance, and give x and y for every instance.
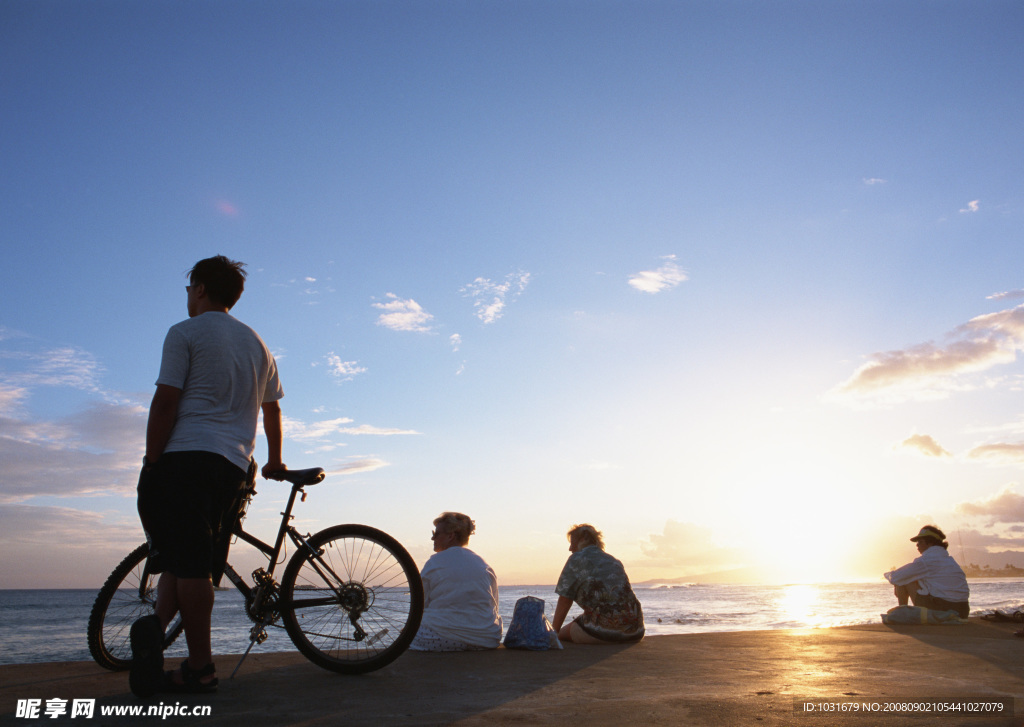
(350, 598)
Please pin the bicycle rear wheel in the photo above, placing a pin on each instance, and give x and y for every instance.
(128, 594)
(354, 604)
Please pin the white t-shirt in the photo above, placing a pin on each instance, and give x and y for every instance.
(225, 374)
(460, 594)
(936, 573)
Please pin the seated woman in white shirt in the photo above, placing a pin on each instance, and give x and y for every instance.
(460, 592)
(934, 580)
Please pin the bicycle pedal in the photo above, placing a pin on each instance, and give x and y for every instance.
(257, 634)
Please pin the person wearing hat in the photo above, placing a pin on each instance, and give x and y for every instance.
(934, 580)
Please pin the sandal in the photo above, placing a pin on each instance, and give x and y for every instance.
(147, 641)
(190, 679)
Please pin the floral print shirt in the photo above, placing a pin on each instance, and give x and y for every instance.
(598, 583)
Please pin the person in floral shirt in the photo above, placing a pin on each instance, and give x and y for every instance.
(598, 583)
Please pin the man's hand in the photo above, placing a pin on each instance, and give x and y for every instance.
(271, 467)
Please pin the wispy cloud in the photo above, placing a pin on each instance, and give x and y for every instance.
(62, 366)
(376, 431)
(303, 431)
(490, 298)
(456, 342)
(972, 206)
(321, 430)
(669, 275)
(403, 315)
(368, 464)
(933, 371)
(999, 452)
(871, 181)
(343, 370)
(92, 452)
(1007, 295)
(924, 444)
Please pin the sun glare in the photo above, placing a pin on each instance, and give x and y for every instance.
(812, 533)
(797, 602)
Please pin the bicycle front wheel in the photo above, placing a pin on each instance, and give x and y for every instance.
(352, 601)
(128, 594)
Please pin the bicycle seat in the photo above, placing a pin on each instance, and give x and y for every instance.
(299, 477)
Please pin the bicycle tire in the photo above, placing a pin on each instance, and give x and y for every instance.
(118, 605)
(356, 566)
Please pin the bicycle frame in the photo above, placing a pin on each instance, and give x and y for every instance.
(272, 552)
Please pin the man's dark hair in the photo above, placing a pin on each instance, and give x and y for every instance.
(223, 279)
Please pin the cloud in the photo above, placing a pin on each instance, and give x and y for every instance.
(491, 298)
(62, 366)
(669, 275)
(87, 545)
(999, 453)
(295, 429)
(343, 370)
(1007, 295)
(688, 546)
(39, 525)
(321, 431)
(929, 371)
(1005, 507)
(972, 206)
(376, 431)
(870, 181)
(456, 342)
(94, 451)
(924, 444)
(361, 465)
(11, 398)
(403, 315)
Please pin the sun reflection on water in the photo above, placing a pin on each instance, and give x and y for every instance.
(797, 602)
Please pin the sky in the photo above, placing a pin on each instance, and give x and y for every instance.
(741, 283)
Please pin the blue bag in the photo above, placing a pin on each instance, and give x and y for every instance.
(530, 628)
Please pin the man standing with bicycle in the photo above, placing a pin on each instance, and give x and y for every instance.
(216, 375)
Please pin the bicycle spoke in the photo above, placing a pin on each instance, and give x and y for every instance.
(354, 600)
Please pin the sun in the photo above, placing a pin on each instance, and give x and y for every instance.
(808, 533)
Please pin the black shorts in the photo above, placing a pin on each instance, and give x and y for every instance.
(935, 603)
(188, 504)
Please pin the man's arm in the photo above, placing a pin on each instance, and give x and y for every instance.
(561, 611)
(272, 428)
(163, 412)
(913, 571)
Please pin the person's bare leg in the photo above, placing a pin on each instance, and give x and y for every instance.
(166, 598)
(195, 602)
(579, 636)
(906, 593)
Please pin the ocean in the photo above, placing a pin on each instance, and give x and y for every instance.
(50, 625)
